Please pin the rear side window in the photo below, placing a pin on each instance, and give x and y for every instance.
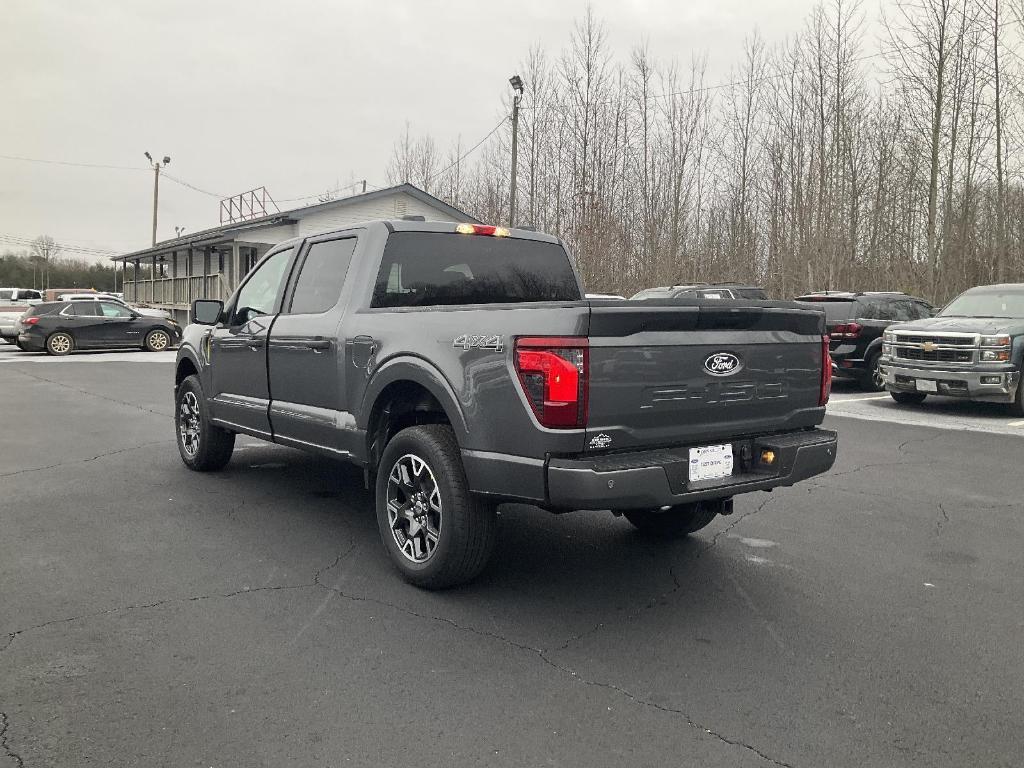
(421, 269)
(44, 309)
(322, 277)
(835, 311)
(7, 295)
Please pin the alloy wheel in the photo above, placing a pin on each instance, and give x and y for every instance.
(60, 344)
(414, 508)
(158, 340)
(189, 424)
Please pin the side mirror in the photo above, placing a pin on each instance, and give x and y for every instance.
(207, 311)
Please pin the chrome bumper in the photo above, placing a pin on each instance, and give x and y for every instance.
(997, 384)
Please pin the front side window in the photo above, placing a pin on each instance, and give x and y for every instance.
(84, 309)
(322, 277)
(261, 291)
(114, 310)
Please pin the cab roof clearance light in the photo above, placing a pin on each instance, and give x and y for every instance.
(482, 229)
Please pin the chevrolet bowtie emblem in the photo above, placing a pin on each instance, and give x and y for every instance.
(929, 346)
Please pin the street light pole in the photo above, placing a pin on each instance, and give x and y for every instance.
(156, 185)
(517, 86)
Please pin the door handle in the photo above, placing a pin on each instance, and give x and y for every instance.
(318, 345)
(255, 344)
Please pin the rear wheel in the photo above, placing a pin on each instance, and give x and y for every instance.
(908, 398)
(435, 531)
(157, 340)
(675, 522)
(871, 380)
(203, 446)
(60, 343)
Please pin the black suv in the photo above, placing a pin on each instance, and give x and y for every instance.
(703, 291)
(855, 323)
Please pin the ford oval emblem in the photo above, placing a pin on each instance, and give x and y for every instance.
(722, 364)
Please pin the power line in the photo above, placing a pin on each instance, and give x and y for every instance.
(470, 151)
(76, 165)
(26, 242)
(184, 183)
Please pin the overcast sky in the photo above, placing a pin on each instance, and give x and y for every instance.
(296, 95)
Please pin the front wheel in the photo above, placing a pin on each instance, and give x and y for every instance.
(908, 398)
(203, 446)
(1017, 406)
(60, 344)
(435, 531)
(872, 380)
(676, 522)
(157, 340)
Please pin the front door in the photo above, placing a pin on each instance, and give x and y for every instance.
(307, 358)
(238, 348)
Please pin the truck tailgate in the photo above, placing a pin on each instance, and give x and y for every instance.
(677, 373)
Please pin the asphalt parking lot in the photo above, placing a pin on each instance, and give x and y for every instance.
(150, 616)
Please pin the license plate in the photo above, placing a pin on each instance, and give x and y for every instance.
(710, 462)
(926, 385)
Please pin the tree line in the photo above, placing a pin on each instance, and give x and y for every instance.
(44, 266)
(837, 159)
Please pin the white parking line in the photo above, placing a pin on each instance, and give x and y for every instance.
(1016, 424)
(858, 399)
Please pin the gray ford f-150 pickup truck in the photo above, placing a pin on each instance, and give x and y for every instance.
(461, 366)
(973, 348)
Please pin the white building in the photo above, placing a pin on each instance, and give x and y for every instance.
(211, 263)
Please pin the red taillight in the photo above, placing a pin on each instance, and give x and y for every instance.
(826, 372)
(555, 375)
(482, 229)
(847, 331)
(30, 320)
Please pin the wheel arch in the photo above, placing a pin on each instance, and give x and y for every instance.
(184, 368)
(402, 393)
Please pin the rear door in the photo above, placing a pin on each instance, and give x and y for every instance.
(240, 394)
(306, 365)
(698, 371)
(85, 322)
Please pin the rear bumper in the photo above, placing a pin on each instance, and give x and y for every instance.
(8, 330)
(996, 385)
(648, 479)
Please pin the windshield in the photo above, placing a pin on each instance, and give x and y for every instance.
(987, 302)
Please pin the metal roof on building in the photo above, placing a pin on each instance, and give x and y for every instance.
(227, 232)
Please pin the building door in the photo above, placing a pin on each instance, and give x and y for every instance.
(238, 348)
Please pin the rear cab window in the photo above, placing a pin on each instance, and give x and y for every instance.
(423, 269)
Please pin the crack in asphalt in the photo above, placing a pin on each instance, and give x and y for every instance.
(12, 636)
(91, 394)
(737, 521)
(943, 521)
(574, 676)
(539, 653)
(87, 460)
(5, 723)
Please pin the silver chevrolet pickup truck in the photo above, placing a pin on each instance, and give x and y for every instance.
(972, 349)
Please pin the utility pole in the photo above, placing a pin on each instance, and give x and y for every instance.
(156, 185)
(517, 87)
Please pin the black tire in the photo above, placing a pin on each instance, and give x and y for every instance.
(870, 380)
(461, 527)
(157, 340)
(676, 522)
(1017, 406)
(60, 343)
(908, 398)
(202, 446)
